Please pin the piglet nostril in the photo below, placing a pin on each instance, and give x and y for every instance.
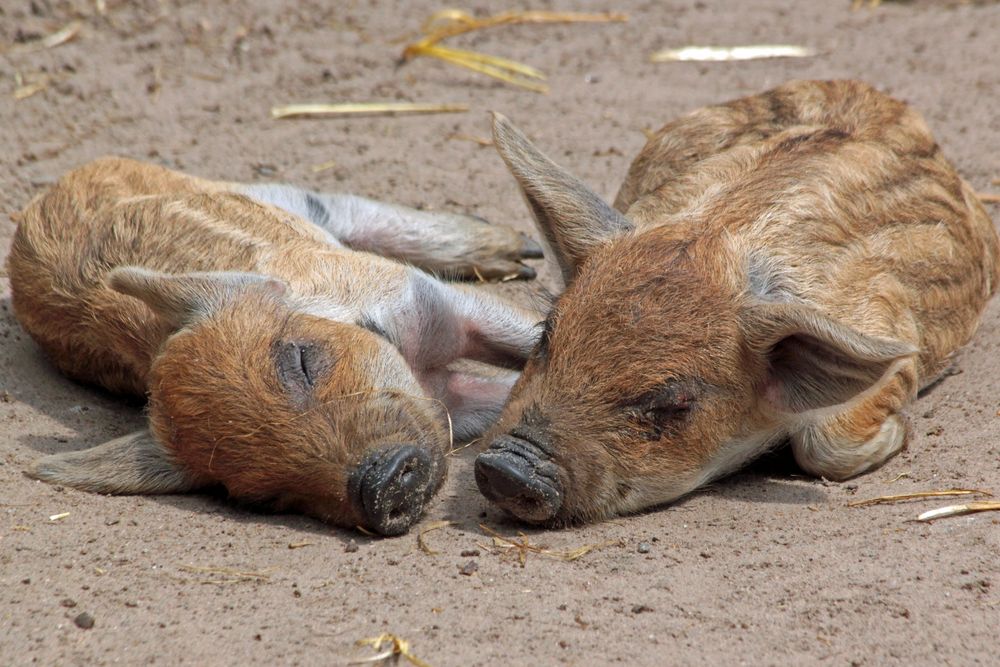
(514, 478)
(391, 487)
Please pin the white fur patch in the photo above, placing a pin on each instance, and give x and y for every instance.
(737, 453)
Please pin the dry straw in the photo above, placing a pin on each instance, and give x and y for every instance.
(730, 53)
(49, 41)
(451, 22)
(523, 547)
(363, 109)
(902, 497)
(958, 510)
(396, 647)
(422, 544)
(228, 572)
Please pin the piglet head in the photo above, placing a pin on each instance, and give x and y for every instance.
(281, 407)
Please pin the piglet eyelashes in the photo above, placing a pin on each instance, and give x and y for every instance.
(300, 365)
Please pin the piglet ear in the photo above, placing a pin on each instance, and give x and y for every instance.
(182, 298)
(132, 464)
(572, 218)
(815, 361)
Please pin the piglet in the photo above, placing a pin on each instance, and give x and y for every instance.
(791, 266)
(281, 358)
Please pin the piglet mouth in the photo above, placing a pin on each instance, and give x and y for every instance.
(391, 487)
(517, 475)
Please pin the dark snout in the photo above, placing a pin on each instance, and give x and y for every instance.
(517, 475)
(391, 486)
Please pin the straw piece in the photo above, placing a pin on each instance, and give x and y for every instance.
(49, 41)
(452, 22)
(730, 53)
(499, 68)
(918, 494)
(523, 546)
(455, 450)
(958, 510)
(434, 525)
(227, 571)
(59, 517)
(362, 108)
(397, 647)
(988, 197)
(483, 59)
(323, 166)
(27, 90)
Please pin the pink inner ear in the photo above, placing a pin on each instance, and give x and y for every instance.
(463, 392)
(774, 394)
(473, 402)
(470, 392)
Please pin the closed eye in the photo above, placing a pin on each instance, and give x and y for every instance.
(663, 408)
(299, 365)
(657, 411)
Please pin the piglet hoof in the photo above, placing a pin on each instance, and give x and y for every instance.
(513, 475)
(391, 487)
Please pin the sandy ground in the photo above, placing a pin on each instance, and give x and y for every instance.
(766, 567)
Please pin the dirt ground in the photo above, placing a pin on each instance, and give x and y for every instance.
(765, 567)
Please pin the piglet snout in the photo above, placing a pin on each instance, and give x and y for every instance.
(517, 476)
(391, 487)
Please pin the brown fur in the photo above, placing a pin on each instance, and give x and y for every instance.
(228, 290)
(800, 262)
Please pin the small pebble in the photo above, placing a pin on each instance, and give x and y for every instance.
(69, 603)
(469, 568)
(644, 548)
(641, 608)
(84, 620)
(470, 553)
(351, 547)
